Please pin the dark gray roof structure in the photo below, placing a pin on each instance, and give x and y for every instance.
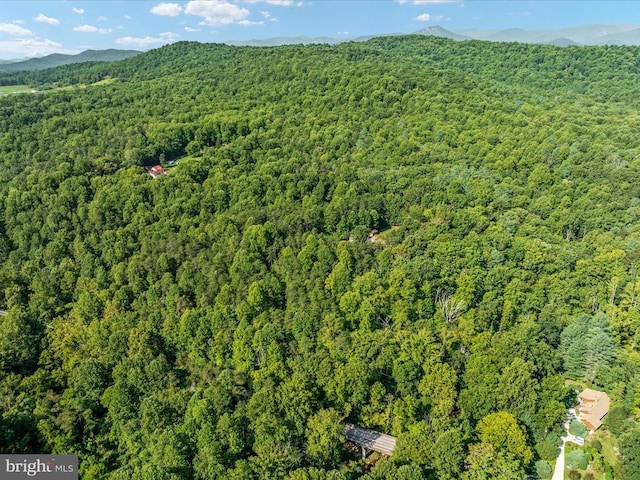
(370, 439)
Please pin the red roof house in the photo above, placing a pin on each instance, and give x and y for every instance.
(156, 170)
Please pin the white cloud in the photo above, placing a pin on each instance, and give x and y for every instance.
(103, 19)
(44, 19)
(248, 23)
(139, 41)
(169, 36)
(282, 3)
(127, 17)
(425, 17)
(32, 47)
(145, 42)
(167, 9)
(267, 15)
(13, 29)
(92, 29)
(216, 12)
(191, 29)
(79, 11)
(86, 28)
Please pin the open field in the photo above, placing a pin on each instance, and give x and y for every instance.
(105, 81)
(5, 90)
(14, 89)
(609, 446)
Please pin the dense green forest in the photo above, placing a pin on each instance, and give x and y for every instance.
(227, 319)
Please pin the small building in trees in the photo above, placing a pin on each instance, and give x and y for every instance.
(593, 406)
(370, 440)
(156, 171)
(373, 237)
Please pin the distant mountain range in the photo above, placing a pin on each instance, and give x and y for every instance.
(58, 59)
(599, 34)
(277, 41)
(15, 60)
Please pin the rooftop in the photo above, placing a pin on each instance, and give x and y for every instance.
(594, 405)
(370, 439)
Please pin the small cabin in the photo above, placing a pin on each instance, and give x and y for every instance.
(156, 171)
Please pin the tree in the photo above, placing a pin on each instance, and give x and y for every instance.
(481, 379)
(517, 391)
(618, 419)
(548, 448)
(18, 342)
(438, 388)
(325, 436)
(576, 459)
(550, 409)
(630, 454)
(543, 469)
(577, 428)
(274, 459)
(586, 345)
(388, 470)
(501, 430)
(313, 473)
(574, 474)
(447, 454)
(484, 462)
(415, 445)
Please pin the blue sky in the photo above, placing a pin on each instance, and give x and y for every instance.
(36, 28)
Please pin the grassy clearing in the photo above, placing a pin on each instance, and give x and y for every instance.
(105, 81)
(5, 90)
(609, 445)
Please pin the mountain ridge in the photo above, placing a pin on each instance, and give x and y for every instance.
(58, 59)
(594, 34)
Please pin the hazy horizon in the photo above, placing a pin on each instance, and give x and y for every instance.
(39, 28)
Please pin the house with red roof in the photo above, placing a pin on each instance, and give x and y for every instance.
(156, 171)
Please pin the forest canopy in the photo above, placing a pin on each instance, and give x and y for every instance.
(418, 236)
